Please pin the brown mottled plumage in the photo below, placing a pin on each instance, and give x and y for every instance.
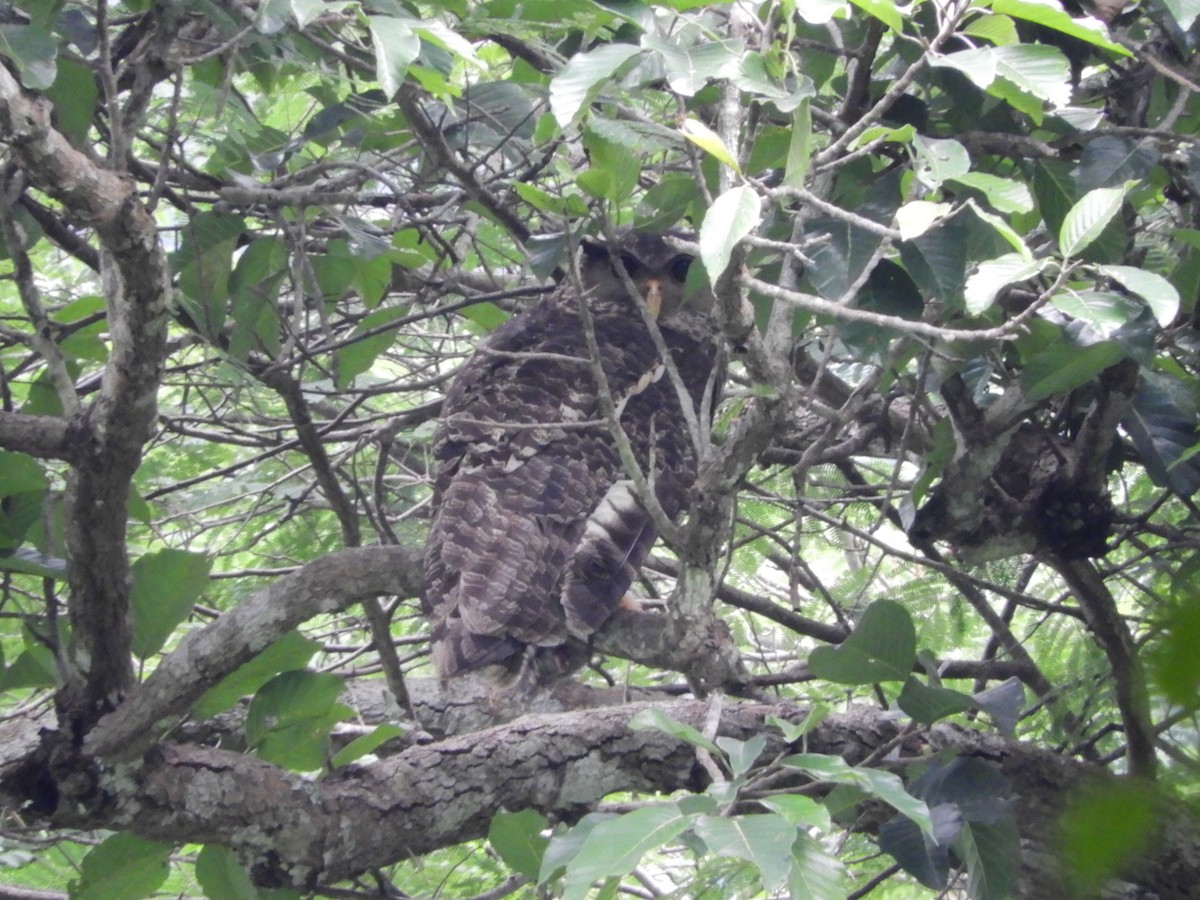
(537, 533)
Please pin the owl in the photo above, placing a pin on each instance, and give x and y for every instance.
(537, 530)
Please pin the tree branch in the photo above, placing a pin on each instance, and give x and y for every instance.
(204, 657)
(121, 416)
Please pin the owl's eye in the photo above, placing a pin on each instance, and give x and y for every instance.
(631, 264)
(678, 268)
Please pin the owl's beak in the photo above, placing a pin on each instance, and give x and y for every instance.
(654, 297)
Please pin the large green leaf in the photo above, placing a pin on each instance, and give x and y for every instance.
(396, 45)
(939, 159)
(122, 867)
(204, 263)
(1160, 295)
(582, 76)
(1088, 218)
(518, 839)
(221, 875)
(290, 717)
(928, 703)
(882, 647)
(1035, 70)
(614, 847)
(991, 277)
(370, 338)
(33, 51)
(1103, 311)
(166, 585)
(884, 785)
(1107, 826)
(656, 719)
(1051, 15)
(732, 216)
(1173, 660)
(688, 69)
(764, 840)
(815, 873)
(254, 291)
(1165, 428)
(993, 857)
(1064, 366)
(292, 651)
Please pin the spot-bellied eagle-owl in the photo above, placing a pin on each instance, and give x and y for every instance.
(537, 531)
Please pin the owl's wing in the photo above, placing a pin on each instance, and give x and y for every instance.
(537, 535)
(518, 475)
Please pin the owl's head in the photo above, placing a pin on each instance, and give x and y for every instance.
(658, 264)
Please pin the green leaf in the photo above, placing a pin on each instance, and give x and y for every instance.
(583, 76)
(517, 838)
(742, 754)
(33, 562)
(928, 703)
(367, 743)
(997, 29)
(34, 52)
(1051, 15)
(1184, 12)
(1106, 827)
(166, 585)
(708, 141)
(292, 651)
(273, 16)
(290, 717)
(992, 854)
(882, 647)
(1173, 661)
(1088, 218)
(732, 216)
(1104, 312)
(939, 159)
(396, 45)
(221, 875)
(1003, 194)
(801, 811)
(887, 13)
(1162, 426)
(800, 148)
(123, 867)
(764, 840)
(1035, 70)
(204, 263)
(658, 720)
(1160, 295)
(915, 218)
(486, 317)
(612, 172)
(1066, 365)
(815, 874)
(74, 95)
(884, 785)
(614, 847)
(991, 277)
(20, 474)
(791, 733)
(688, 69)
(363, 347)
(254, 291)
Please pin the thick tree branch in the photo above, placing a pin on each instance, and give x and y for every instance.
(121, 416)
(45, 437)
(204, 657)
(440, 794)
